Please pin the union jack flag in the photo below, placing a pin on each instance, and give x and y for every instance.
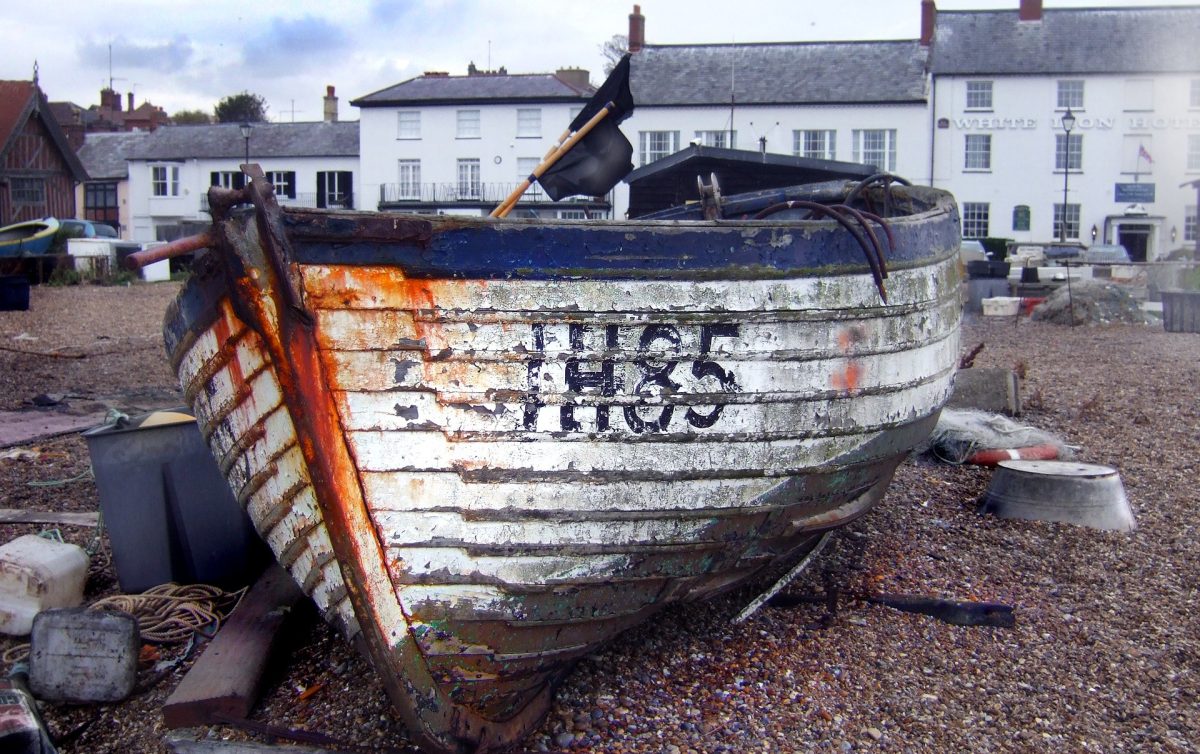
(1144, 155)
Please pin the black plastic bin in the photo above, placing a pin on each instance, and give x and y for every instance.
(986, 268)
(169, 512)
(14, 293)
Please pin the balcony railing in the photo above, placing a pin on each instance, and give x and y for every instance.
(346, 201)
(456, 193)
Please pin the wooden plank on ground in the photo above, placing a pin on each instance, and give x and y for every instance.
(60, 518)
(224, 681)
(178, 743)
(21, 427)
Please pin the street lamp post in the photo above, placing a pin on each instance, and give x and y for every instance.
(246, 128)
(1068, 123)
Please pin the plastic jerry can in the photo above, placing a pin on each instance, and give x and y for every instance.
(37, 574)
(21, 728)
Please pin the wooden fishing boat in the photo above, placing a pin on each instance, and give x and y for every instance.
(27, 239)
(486, 447)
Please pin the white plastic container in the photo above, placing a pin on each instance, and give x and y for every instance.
(1001, 306)
(37, 574)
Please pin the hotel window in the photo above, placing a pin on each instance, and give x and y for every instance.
(1072, 220)
(817, 144)
(1139, 95)
(654, 145)
(979, 95)
(975, 219)
(468, 179)
(525, 168)
(408, 124)
(284, 182)
(1194, 94)
(875, 147)
(1193, 152)
(1189, 223)
(719, 139)
(1070, 94)
(468, 124)
(1137, 154)
(978, 152)
(28, 190)
(1068, 152)
(164, 180)
(409, 184)
(529, 123)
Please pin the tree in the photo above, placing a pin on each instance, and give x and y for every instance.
(613, 50)
(241, 108)
(191, 118)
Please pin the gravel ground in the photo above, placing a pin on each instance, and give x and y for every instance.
(1103, 658)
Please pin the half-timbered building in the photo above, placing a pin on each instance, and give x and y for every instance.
(38, 168)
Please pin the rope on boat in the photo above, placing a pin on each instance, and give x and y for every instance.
(856, 224)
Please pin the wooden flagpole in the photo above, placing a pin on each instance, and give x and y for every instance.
(552, 157)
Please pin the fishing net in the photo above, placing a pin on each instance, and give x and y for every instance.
(961, 432)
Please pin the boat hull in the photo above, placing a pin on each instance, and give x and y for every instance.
(486, 469)
(33, 238)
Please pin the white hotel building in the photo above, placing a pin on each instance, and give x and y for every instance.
(974, 105)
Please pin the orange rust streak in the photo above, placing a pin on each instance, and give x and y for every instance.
(849, 378)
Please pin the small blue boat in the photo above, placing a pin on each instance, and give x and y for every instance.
(28, 239)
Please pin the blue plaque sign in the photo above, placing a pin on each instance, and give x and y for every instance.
(1134, 193)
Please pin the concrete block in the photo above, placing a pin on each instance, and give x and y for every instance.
(988, 389)
(81, 655)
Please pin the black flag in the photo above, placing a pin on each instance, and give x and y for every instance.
(593, 166)
(603, 156)
(615, 89)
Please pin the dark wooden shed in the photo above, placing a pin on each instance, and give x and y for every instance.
(38, 167)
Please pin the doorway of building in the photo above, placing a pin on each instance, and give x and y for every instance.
(1135, 239)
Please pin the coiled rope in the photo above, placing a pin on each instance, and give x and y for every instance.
(166, 614)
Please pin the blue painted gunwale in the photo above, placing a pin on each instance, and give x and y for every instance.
(456, 248)
(468, 248)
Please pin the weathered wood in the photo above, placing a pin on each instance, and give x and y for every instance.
(59, 518)
(956, 612)
(500, 445)
(183, 743)
(224, 681)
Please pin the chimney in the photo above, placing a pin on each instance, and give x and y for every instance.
(110, 100)
(928, 22)
(637, 29)
(578, 78)
(1031, 10)
(130, 95)
(330, 105)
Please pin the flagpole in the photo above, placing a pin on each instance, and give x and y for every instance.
(552, 157)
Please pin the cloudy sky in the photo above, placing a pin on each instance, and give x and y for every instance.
(187, 54)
